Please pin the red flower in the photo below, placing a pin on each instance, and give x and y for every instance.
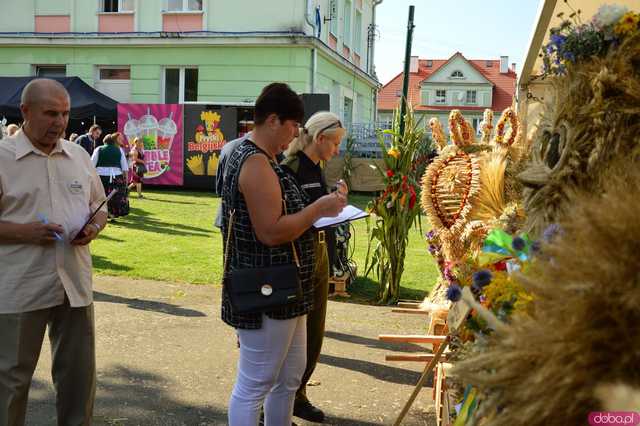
(412, 199)
(404, 179)
(500, 266)
(390, 173)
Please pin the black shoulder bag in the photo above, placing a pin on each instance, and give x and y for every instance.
(254, 290)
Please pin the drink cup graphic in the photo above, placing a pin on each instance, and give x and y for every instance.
(131, 129)
(149, 130)
(167, 129)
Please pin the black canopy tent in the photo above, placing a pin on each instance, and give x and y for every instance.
(86, 102)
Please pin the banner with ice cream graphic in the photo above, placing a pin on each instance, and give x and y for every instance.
(159, 126)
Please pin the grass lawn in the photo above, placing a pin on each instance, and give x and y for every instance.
(169, 236)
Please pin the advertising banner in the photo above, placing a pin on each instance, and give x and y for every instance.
(159, 126)
(206, 129)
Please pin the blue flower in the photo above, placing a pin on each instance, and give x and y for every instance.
(454, 293)
(482, 278)
(551, 232)
(558, 39)
(569, 56)
(518, 244)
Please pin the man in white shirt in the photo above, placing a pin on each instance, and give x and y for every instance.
(48, 188)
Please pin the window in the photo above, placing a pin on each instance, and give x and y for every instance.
(184, 5)
(333, 15)
(180, 85)
(357, 36)
(348, 112)
(457, 74)
(346, 36)
(476, 124)
(115, 74)
(441, 96)
(429, 63)
(51, 71)
(489, 64)
(471, 96)
(114, 6)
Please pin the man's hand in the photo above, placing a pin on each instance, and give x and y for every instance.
(84, 237)
(39, 233)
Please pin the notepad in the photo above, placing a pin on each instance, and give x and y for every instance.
(347, 214)
(77, 236)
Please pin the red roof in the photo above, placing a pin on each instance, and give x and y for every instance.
(503, 89)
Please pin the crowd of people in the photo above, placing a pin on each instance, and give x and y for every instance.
(121, 167)
(273, 191)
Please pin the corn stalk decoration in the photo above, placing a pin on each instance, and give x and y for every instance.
(395, 210)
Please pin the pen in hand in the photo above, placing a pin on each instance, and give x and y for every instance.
(42, 218)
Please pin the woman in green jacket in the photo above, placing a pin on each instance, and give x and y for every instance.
(319, 141)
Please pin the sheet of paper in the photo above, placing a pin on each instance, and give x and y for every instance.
(347, 214)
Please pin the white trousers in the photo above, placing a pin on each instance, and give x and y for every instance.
(272, 361)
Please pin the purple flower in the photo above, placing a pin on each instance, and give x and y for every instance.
(569, 56)
(536, 247)
(551, 233)
(432, 249)
(431, 234)
(518, 244)
(448, 275)
(482, 278)
(454, 293)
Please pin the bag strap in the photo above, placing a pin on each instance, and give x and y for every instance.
(232, 214)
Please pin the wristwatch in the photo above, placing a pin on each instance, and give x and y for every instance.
(95, 225)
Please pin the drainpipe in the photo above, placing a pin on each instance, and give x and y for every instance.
(371, 67)
(314, 54)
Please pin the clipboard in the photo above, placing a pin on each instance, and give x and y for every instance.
(95, 212)
(348, 214)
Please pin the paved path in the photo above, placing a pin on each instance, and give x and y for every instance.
(165, 358)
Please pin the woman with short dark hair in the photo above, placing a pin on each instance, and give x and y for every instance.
(263, 214)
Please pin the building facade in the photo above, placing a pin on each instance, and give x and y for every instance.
(180, 51)
(437, 86)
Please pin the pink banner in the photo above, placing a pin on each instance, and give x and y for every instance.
(159, 127)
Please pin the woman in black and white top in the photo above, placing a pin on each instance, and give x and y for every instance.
(272, 344)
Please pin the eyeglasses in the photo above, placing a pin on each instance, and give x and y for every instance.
(337, 124)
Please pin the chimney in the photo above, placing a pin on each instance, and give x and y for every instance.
(413, 65)
(513, 67)
(504, 64)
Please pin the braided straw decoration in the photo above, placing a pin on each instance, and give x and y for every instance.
(448, 198)
(510, 116)
(462, 134)
(437, 133)
(487, 126)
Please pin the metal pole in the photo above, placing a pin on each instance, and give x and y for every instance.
(407, 64)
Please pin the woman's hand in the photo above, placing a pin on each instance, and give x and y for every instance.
(332, 204)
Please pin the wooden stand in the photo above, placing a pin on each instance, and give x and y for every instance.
(339, 286)
(435, 361)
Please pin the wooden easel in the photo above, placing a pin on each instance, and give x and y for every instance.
(436, 360)
(456, 316)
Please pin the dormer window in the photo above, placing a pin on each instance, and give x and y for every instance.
(457, 74)
(429, 63)
(489, 64)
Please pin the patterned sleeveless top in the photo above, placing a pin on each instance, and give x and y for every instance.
(247, 251)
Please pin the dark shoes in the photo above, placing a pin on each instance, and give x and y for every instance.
(305, 410)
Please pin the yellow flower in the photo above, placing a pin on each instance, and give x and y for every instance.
(627, 24)
(394, 152)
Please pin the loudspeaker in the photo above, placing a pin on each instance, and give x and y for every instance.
(314, 102)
